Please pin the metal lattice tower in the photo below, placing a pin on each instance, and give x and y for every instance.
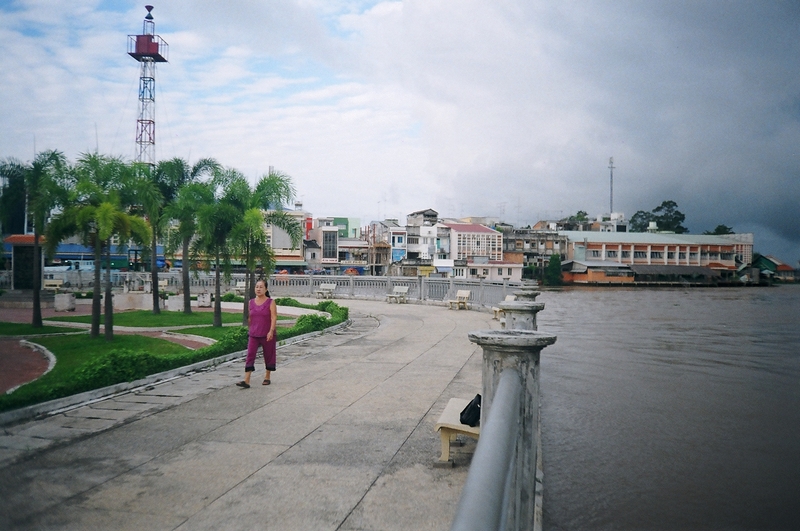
(148, 49)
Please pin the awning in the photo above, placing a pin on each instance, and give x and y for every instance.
(290, 263)
(444, 269)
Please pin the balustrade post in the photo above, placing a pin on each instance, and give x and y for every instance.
(517, 350)
(521, 313)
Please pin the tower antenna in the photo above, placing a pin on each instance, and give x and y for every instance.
(148, 49)
(611, 170)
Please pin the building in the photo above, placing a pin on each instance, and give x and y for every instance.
(769, 266)
(477, 252)
(597, 256)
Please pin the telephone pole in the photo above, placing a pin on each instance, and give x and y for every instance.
(611, 170)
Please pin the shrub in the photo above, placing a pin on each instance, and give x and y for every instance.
(231, 297)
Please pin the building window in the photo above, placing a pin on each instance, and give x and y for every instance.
(656, 254)
(509, 271)
(329, 249)
(682, 256)
(595, 253)
(473, 272)
(670, 255)
(486, 272)
(639, 254)
(626, 254)
(313, 255)
(500, 271)
(726, 256)
(611, 254)
(693, 256)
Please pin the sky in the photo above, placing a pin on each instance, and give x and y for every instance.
(508, 109)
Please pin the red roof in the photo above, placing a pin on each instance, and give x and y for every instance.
(22, 239)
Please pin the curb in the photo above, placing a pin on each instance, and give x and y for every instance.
(60, 405)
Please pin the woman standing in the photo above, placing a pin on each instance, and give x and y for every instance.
(261, 323)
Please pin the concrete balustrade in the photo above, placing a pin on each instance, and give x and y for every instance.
(517, 351)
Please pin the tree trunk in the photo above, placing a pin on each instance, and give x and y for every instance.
(95, 330)
(187, 295)
(154, 275)
(36, 320)
(217, 298)
(109, 313)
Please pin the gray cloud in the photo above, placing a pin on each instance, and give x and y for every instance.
(505, 108)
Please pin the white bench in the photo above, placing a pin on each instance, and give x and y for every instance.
(498, 312)
(53, 284)
(325, 291)
(449, 426)
(461, 300)
(399, 294)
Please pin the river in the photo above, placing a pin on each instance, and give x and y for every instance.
(671, 408)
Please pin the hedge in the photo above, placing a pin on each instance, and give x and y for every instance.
(125, 365)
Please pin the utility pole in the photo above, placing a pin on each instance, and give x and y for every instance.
(611, 170)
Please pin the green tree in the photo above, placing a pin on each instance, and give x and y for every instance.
(640, 221)
(168, 177)
(669, 218)
(261, 206)
(552, 273)
(720, 229)
(215, 221)
(96, 213)
(45, 183)
(184, 210)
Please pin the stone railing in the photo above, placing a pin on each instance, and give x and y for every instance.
(504, 486)
(482, 293)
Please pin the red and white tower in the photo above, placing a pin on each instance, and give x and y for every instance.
(148, 49)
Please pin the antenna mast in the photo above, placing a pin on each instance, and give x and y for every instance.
(611, 170)
(148, 49)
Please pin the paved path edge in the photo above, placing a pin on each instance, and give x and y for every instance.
(68, 402)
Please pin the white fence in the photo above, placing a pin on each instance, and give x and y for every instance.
(482, 293)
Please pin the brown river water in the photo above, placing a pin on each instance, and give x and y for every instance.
(671, 408)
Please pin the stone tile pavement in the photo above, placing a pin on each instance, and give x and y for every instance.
(342, 439)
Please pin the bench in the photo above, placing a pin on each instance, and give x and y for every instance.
(241, 285)
(399, 294)
(53, 284)
(461, 300)
(449, 426)
(498, 312)
(325, 291)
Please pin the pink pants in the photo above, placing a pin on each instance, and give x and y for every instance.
(269, 348)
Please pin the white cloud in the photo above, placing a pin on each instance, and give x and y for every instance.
(468, 107)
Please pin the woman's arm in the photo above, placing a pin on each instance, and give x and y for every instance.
(273, 314)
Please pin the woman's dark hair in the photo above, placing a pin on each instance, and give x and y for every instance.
(266, 289)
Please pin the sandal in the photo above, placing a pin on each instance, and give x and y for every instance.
(266, 382)
(243, 385)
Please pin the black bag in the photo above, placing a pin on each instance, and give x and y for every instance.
(471, 415)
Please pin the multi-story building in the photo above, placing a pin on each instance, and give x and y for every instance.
(477, 252)
(591, 255)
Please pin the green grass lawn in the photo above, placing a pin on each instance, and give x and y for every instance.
(146, 319)
(84, 363)
(25, 329)
(214, 332)
(74, 352)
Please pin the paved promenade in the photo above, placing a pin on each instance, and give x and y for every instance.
(343, 439)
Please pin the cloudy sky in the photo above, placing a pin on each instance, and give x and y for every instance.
(505, 108)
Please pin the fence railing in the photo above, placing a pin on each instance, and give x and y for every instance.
(485, 497)
(482, 292)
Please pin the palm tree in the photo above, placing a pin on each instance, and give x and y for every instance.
(215, 221)
(184, 210)
(45, 184)
(168, 178)
(96, 213)
(262, 206)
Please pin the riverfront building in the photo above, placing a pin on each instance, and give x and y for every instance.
(621, 257)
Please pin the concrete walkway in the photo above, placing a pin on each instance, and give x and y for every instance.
(343, 439)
